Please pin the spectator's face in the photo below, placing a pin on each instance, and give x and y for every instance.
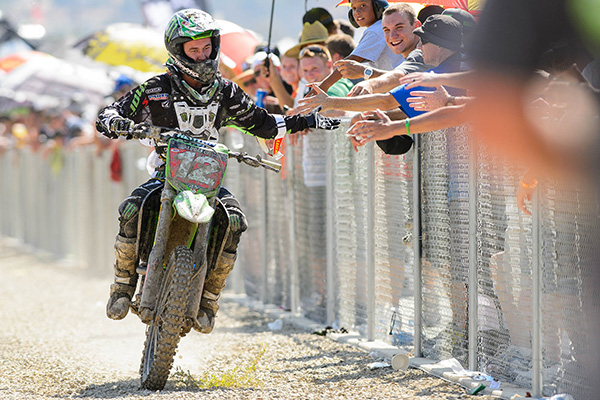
(250, 86)
(431, 53)
(198, 50)
(314, 69)
(363, 13)
(289, 70)
(56, 122)
(398, 32)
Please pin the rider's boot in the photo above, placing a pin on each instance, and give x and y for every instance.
(123, 289)
(214, 284)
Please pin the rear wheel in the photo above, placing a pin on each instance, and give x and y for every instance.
(163, 333)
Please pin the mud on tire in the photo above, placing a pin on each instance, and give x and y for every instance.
(163, 334)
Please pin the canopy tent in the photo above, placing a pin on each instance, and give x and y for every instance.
(47, 81)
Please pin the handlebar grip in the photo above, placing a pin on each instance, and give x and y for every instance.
(272, 164)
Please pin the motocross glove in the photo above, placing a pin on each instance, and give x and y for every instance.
(318, 121)
(121, 126)
(138, 131)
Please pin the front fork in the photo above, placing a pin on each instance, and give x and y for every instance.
(155, 270)
(164, 242)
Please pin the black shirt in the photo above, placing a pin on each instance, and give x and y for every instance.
(154, 101)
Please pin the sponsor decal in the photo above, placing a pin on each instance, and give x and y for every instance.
(159, 96)
(136, 97)
(153, 90)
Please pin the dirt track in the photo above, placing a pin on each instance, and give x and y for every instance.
(56, 342)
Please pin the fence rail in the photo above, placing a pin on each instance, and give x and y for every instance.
(426, 251)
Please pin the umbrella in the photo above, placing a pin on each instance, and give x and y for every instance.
(237, 44)
(143, 49)
(133, 45)
(49, 81)
(14, 60)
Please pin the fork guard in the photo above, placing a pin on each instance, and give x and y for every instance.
(193, 207)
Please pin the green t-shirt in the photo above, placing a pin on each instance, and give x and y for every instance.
(341, 88)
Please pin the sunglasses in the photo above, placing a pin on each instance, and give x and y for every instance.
(311, 49)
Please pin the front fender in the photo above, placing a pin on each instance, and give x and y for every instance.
(193, 207)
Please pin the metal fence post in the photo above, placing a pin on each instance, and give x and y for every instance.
(417, 247)
(294, 272)
(473, 293)
(536, 329)
(263, 250)
(371, 241)
(330, 232)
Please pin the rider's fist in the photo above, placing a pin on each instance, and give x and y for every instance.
(318, 121)
(121, 126)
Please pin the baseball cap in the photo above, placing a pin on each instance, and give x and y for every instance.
(319, 14)
(260, 57)
(441, 30)
(468, 22)
(428, 11)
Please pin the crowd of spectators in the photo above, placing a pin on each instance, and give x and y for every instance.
(409, 72)
(414, 72)
(528, 90)
(60, 126)
(64, 123)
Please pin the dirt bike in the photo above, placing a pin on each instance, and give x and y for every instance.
(181, 238)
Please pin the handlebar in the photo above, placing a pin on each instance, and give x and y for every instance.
(143, 131)
(255, 161)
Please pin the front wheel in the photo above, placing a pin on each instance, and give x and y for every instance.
(163, 332)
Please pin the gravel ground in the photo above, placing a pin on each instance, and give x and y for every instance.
(57, 343)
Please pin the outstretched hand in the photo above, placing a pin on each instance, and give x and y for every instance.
(374, 125)
(350, 69)
(361, 89)
(319, 99)
(422, 100)
(429, 79)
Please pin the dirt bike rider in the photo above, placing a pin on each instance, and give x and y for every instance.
(193, 97)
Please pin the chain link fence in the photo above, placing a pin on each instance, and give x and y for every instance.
(427, 251)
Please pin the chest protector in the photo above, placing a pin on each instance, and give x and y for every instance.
(199, 121)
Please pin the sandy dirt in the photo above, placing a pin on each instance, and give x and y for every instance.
(57, 343)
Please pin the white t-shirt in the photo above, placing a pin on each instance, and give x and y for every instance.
(301, 92)
(373, 47)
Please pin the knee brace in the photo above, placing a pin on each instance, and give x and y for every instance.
(237, 225)
(237, 220)
(129, 211)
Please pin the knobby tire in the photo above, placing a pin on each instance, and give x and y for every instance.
(163, 333)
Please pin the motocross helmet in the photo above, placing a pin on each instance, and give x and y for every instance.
(378, 7)
(192, 24)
